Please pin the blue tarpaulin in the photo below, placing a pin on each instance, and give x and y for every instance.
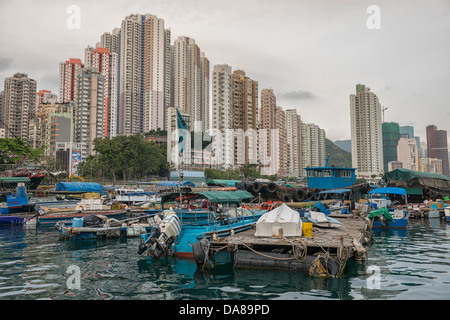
(174, 184)
(79, 187)
(389, 190)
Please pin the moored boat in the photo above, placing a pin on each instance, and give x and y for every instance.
(393, 217)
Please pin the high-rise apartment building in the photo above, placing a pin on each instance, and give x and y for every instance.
(19, 103)
(110, 41)
(293, 143)
(191, 81)
(282, 149)
(130, 83)
(154, 72)
(222, 113)
(245, 118)
(45, 96)
(67, 80)
(366, 132)
(2, 102)
(269, 134)
(144, 73)
(313, 146)
(407, 153)
(89, 109)
(100, 60)
(437, 147)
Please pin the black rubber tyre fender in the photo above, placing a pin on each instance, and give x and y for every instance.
(299, 195)
(286, 198)
(271, 187)
(199, 254)
(257, 186)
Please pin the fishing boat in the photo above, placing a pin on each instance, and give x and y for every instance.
(392, 217)
(32, 178)
(136, 195)
(52, 218)
(101, 227)
(11, 220)
(218, 223)
(17, 202)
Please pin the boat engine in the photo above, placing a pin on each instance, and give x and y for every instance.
(161, 238)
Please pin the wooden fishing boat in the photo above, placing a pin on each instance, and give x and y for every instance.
(51, 219)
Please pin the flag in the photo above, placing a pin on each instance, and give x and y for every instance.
(182, 130)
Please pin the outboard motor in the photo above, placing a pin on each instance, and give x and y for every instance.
(161, 238)
(155, 232)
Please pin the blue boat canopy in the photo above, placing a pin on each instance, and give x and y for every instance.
(389, 190)
(79, 187)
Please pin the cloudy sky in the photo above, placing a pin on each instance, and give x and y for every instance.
(311, 53)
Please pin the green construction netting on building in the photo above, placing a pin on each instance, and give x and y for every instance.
(227, 196)
(391, 135)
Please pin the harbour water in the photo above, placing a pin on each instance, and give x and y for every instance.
(402, 264)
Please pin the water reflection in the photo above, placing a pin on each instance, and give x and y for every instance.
(412, 264)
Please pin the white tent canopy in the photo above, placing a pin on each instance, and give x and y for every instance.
(280, 222)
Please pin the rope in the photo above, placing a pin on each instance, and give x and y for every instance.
(299, 259)
(205, 246)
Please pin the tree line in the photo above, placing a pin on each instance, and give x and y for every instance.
(125, 157)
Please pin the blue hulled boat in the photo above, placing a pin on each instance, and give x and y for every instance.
(385, 217)
(222, 223)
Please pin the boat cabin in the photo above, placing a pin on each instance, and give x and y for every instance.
(330, 177)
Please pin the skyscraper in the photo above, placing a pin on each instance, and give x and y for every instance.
(407, 153)
(222, 112)
(245, 117)
(191, 81)
(19, 103)
(130, 102)
(293, 142)
(89, 109)
(282, 147)
(101, 61)
(313, 146)
(154, 72)
(67, 79)
(366, 132)
(437, 147)
(269, 123)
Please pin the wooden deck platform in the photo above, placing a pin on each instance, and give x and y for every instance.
(351, 228)
(339, 243)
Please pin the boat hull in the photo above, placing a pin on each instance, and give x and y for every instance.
(52, 219)
(400, 223)
(77, 234)
(11, 221)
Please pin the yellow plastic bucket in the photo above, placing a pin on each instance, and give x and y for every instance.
(307, 229)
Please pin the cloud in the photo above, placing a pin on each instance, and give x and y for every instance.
(5, 63)
(298, 95)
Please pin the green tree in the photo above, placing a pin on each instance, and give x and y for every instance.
(128, 157)
(16, 150)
